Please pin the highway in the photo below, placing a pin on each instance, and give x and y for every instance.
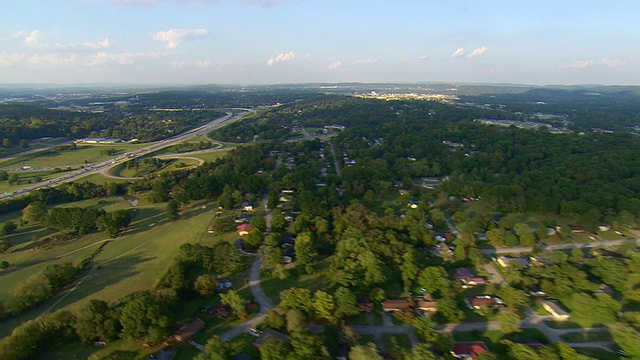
(101, 166)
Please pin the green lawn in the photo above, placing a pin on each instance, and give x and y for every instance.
(67, 156)
(316, 281)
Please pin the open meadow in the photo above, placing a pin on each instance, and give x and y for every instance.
(127, 264)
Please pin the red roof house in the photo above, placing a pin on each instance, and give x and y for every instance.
(469, 349)
(243, 229)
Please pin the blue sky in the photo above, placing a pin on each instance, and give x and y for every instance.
(294, 41)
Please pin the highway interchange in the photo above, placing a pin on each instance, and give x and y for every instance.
(103, 166)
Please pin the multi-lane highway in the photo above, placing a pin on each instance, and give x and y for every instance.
(100, 166)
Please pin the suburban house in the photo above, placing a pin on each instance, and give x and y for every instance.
(483, 301)
(269, 334)
(396, 305)
(469, 349)
(247, 206)
(467, 278)
(426, 303)
(577, 229)
(186, 331)
(243, 229)
(210, 229)
(555, 309)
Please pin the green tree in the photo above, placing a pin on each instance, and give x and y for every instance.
(236, 302)
(173, 210)
(215, 350)
(627, 338)
(144, 318)
(421, 351)
(509, 322)
(14, 179)
(408, 269)
(434, 279)
(425, 328)
(274, 349)
(305, 251)
(297, 298)
(206, 285)
(368, 351)
(3, 175)
(345, 303)
(448, 310)
(96, 320)
(8, 143)
(308, 347)
(8, 228)
(34, 212)
(323, 304)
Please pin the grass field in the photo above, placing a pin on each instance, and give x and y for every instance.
(127, 264)
(212, 155)
(100, 179)
(80, 155)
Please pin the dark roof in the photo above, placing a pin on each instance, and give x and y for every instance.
(463, 272)
(269, 334)
(187, 330)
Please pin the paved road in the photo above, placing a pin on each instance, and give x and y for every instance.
(336, 163)
(496, 277)
(526, 249)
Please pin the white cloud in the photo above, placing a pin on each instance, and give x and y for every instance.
(424, 57)
(127, 58)
(365, 61)
(281, 57)
(53, 59)
(477, 52)
(201, 64)
(175, 37)
(104, 44)
(613, 62)
(581, 64)
(7, 59)
(33, 39)
(459, 52)
(18, 34)
(335, 65)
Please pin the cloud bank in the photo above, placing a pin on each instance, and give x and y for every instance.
(175, 37)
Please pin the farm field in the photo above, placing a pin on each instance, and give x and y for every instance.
(68, 156)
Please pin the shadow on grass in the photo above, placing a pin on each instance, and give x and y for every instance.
(27, 234)
(102, 276)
